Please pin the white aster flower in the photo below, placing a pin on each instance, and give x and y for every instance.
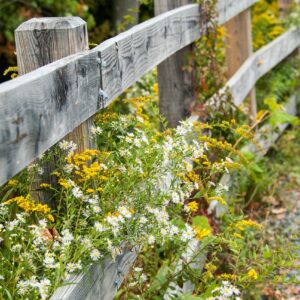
(67, 237)
(96, 130)
(16, 248)
(97, 209)
(188, 234)
(151, 239)
(73, 267)
(143, 220)
(12, 225)
(77, 193)
(124, 211)
(137, 269)
(95, 254)
(175, 198)
(99, 227)
(49, 261)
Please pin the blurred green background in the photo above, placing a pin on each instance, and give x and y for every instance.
(104, 19)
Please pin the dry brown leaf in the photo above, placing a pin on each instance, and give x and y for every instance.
(277, 211)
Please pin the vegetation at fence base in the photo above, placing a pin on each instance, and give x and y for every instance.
(147, 187)
(120, 193)
(141, 187)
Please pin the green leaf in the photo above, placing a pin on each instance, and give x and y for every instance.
(179, 223)
(272, 104)
(281, 117)
(249, 155)
(161, 277)
(267, 253)
(201, 222)
(197, 195)
(256, 168)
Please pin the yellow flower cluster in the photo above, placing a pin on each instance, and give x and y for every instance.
(45, 185)
(29, 205)
(13, 182)
(244, 131)
(106, 117)
(252, 274)
(155, 88)
(82, 158)
(213, 143)
(194, 177)
(193, 206)
(12, 70)
(266, 23)
(217, 198)
(86, 169)
(90, 172)
(64, 183)
(226, 276)
(201, 233)
(210, 269)
(139, 104)
(242, 225)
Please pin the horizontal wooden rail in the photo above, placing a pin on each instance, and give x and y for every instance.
(40, 108)
(261, 63)
(101, 281)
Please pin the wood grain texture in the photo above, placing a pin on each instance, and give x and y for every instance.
(260, 63)
(175, 85)
(284, 7)
(239, 48)
(40, 108)
(227, 9)
(41, 41)
(100, 281)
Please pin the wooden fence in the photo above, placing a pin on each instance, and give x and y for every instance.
(50, 102)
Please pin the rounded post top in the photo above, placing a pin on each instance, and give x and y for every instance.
(51, 23)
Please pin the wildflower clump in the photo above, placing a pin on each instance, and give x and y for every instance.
(252, 274)
(28, 205)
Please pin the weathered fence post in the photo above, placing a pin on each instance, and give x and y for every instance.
(284, 6)
(40, 41)
(126, 8)
(175, 85)
(239, 48)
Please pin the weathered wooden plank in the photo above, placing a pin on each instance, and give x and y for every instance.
(100, 281)
(259, 64)
(41, 107)
(227, 9)
(38, 109)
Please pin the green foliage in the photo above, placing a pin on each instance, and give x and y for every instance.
(266, 25)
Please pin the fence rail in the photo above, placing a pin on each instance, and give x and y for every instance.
(41, 107)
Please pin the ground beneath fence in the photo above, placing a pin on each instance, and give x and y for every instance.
(282, 215)
(284, 220)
